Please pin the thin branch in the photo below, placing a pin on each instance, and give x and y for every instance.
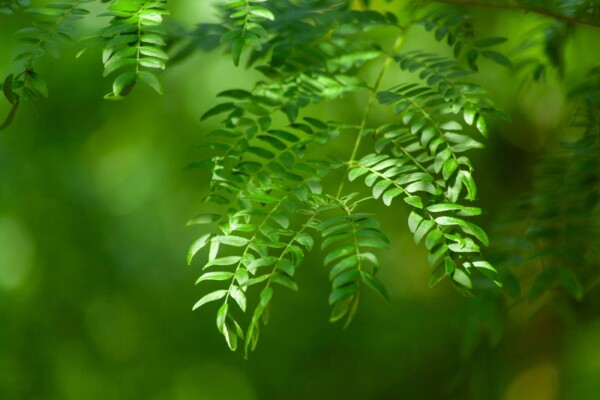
(384, 69)
(522, 8)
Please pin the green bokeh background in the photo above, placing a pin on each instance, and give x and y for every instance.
(95, 294)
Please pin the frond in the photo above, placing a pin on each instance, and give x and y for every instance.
(261, 184)
(245, 28)
(452, 24)
(265, 190)
(346, 239)
(132, 44)
(445, 77)
(453, 242)
(424, 164)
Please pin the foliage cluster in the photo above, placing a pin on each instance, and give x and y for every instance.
(271, 200)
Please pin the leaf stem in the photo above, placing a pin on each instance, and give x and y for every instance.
(363, 124)
(289, 244)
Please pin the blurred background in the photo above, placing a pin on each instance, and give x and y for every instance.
(95, 294)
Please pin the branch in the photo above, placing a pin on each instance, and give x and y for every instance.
(517, 7)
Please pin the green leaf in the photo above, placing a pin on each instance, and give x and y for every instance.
(197, 246)
(230, 336)
(222, 317)
(286, 266)
(261, 262)
(151, 63)
(450, 166)
(11, 115)
(467, 227)
(391, 194)
(498, 58)
(414, 201)
(218, 109)
(343, 265)
(215, 276)
(380, 187)
(37, 83)
(153, 52)
(284, 279)
(472, 56)
(151, 80)
(343, 292)
(7, 88)
(414, 220)
(422, 230)
(433, 238)
(469, 114)
(261, 12)
(236, 241)
(252, 333)
(467, 179)
(461, 278)
(239, 296)
(449, 265)
(111, 66)
(236, 50)
(463, 211)
(438, 274)
(489, 41)
(216, 295)
(230, 260)
(204, 219)
(47, 12)
(339, 252)
(375, 284)
(356, 172)
(124, 83)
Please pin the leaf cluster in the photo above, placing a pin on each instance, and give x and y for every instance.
(561, 229)
(45, 36)
(132, 44)
(269, 201)
(453, 25)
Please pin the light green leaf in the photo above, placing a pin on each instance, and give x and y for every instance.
(239, 296)
(284, 280)
(461, 278)
(216, 295)
(151, 80)
(236, 241)
(124, 83)
(215, 276)
(197, 246)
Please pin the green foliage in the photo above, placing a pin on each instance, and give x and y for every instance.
(560, 232)
(53, 29)
(245, 28)
(10, 6)
(132, 44)
(272, 197)
(454, 25)
(261, 176)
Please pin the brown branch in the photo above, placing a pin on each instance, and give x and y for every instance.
(516, 7)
